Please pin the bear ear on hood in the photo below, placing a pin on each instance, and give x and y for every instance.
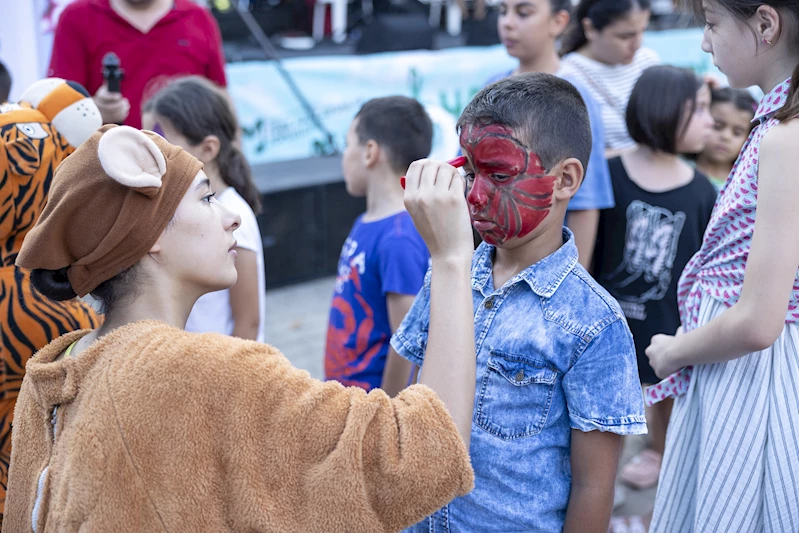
(132, 159)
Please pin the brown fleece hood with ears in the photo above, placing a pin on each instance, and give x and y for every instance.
(109, 202)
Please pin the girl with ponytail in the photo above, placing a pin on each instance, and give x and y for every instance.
(731, 461)
(193, 114)
(602, 50)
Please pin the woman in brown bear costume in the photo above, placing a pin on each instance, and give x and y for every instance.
(140, 426)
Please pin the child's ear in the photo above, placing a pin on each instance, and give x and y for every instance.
(569, 173)
(588, 28)
(768, 23)
(371, 155)
(560, 21)
(209, 148)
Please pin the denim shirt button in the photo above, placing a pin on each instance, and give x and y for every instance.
(489, 304)
(519, 375)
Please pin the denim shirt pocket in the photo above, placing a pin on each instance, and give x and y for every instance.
(515, 396)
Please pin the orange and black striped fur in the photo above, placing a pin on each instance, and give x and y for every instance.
(30, 151)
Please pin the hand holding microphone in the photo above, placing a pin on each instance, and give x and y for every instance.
(113, 106)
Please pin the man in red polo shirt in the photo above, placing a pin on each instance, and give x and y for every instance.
(155, 40)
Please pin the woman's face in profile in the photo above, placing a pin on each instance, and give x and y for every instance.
(198, 248)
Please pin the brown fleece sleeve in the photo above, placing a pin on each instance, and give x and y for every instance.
(285, 452)
(30, 450)
(360, 456)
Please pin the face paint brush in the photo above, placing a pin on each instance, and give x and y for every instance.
(458, 162)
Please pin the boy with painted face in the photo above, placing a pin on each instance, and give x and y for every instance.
(557, 381)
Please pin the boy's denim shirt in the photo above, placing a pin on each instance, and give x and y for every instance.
(553, 354)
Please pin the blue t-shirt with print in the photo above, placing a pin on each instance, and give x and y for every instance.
(380, 257)
(596, 192)
(554, 354)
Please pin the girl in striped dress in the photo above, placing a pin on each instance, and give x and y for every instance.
(732, 451)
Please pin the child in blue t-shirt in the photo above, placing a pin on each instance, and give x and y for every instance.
(557, 380)
(384, 260)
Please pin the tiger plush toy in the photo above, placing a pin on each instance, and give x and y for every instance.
(53, 118)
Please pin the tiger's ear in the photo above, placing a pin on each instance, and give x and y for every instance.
(131, 158)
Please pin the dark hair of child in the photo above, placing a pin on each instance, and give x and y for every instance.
(601, 13)
(743, 10)
(196, 108)
(400, 126)
(740, 98)
(5, 83)
(561, 5)
(657, 111)
(547, 112)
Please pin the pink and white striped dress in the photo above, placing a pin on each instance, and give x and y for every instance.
(732, 447)
(717, 270)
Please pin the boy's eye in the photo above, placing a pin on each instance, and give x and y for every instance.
(469, 176)
(500, 177)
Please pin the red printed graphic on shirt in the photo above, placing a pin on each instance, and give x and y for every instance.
(350, 335)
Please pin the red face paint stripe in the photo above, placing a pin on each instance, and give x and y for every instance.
(515, 205)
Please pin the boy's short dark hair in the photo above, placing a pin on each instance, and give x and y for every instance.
(657, 106)
(5, 83)
(547, 113)
(400, 126)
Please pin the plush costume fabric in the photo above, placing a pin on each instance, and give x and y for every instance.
(30, 150)
(163, 430)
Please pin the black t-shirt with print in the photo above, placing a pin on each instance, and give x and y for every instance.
(643, 245)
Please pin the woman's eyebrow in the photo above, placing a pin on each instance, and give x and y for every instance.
(204, 183)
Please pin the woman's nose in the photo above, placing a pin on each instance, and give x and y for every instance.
(236, 222)
(230, 219)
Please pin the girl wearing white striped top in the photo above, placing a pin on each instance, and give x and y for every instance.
(603, 51)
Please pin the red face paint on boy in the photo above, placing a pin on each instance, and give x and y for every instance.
(510, 193)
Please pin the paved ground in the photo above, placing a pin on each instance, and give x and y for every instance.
(297, 324)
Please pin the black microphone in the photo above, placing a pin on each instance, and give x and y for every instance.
(113, 74)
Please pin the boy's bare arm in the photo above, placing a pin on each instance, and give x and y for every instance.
(398, 369)
(594, 461)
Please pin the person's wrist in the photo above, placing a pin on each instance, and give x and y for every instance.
(676, 355)
(452, 261)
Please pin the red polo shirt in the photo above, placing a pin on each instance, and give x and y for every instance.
(186, 41)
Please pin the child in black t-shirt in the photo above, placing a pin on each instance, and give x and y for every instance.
(662, 208)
